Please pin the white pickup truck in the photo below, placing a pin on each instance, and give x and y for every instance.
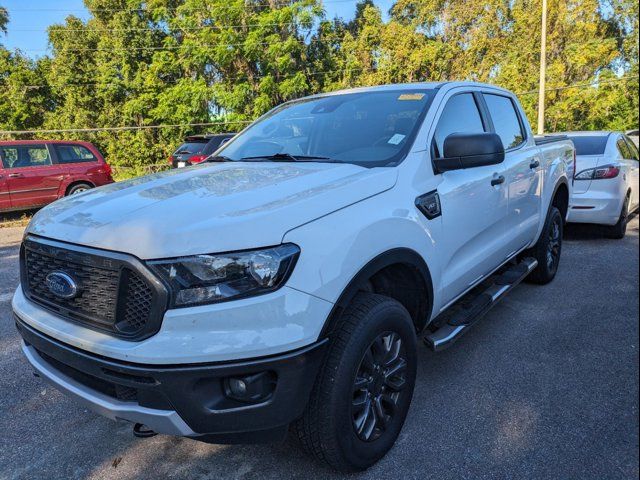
(282, 285)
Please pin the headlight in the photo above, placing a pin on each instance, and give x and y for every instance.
(203, 279)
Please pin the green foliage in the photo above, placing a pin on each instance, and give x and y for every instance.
(4, 19)
(177, 62)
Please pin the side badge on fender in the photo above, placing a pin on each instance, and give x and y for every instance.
(429, 205)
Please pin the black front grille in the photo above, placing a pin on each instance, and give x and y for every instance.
(99, 287)
(114, 292)
(138, 298)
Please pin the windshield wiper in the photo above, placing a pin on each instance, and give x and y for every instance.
(218, 158)
(288, 157)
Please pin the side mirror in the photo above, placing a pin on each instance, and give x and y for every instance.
(468, 150)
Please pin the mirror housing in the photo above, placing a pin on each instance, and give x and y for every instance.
(468, 150)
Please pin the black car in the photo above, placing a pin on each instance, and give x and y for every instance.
(197, 147)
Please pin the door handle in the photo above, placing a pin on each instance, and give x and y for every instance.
(534, 164)
(497, 180)
(16, 175)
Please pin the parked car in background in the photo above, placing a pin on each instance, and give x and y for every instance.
(34, 173)
(198, 147)
(633, 135)
(606, 180)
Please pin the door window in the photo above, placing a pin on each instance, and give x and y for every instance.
(505, 120)
(22, 156)
(460, 115)
(73, 154)
(9, 155)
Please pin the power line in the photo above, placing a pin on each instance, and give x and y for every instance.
(153, 48)
(161, 29)
(244, 122)
(593, 84)
(276, 4)
(115, 129)
(176, 47)
(240, 77)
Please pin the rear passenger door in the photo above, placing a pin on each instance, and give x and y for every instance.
(32, 176)
(473, 210)
(522, 170)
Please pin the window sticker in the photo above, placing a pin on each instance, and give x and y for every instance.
(411, 96)
(396, 139)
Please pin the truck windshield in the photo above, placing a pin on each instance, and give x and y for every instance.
(365, 128)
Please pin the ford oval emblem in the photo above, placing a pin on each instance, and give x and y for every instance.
(62, 284)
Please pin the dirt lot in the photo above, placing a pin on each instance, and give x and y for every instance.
(546, 386)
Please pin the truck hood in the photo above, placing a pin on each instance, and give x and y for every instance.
(207, 208)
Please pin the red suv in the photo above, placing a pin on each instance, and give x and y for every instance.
(34, 173)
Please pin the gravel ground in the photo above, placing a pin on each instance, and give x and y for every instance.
(546, 386)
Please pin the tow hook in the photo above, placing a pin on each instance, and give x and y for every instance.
(142, 431)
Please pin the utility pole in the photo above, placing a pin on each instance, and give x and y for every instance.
(543, 69)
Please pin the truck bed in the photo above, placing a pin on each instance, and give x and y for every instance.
(546, 139)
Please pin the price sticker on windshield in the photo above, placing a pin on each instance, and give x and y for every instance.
(396, 139)
(411, 96)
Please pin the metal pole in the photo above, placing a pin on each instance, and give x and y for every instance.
(543, 69)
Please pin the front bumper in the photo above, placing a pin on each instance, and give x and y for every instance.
(185, 400)
(255, 327)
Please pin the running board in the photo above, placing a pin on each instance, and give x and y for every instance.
(456, 320)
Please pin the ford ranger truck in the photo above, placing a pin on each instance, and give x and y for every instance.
(283, 284)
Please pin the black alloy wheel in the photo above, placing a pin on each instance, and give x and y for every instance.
(378, 386)
(554, 244)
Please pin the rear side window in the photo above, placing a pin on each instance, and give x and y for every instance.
(22, 156)
(589, 144)
(633, 150)
(505, 120)
(74, 154)
(190, 147)
(623, 148)
(213, 144)
(460, 115)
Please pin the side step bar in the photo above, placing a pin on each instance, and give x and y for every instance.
(456, 320)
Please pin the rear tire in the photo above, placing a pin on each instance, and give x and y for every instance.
(548, 249)
(79, 188)
(363, 391)
(619, 230)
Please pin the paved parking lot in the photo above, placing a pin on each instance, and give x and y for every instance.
(546, 386)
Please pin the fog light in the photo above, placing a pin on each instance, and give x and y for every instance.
(237, 387)
(254, 388)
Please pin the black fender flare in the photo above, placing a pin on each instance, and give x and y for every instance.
(561, 182)
(359, 282)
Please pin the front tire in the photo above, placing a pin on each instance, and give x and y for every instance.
(548, 249)
(364, 389)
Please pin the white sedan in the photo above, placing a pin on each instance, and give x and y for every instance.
(605, 186)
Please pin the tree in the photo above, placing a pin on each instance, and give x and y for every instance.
(4, 19)
(497, 41)
(148, 63)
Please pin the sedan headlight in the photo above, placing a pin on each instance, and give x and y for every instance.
(203, 279)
